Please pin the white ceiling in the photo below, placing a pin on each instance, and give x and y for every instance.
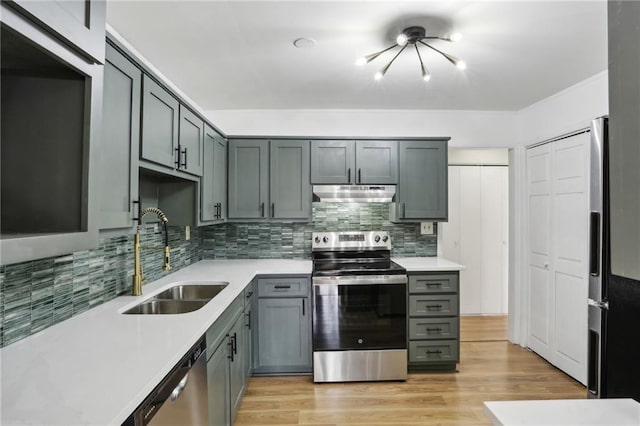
(240, 54)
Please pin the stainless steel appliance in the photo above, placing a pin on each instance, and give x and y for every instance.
(614, 301)
(359, 310)
(354, 193)
(181, 398)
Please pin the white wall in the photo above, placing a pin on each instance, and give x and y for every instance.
(467, 129)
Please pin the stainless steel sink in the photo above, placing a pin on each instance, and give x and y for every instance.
(192, 292)
(155, 306)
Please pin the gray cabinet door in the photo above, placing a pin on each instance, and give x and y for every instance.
(376, 162)
(247, 353)
(220, 178)
(80, 22)
(207, 182)
(333, 162)
(423, 188)
(118, 183)
(248, 179)
(237, 372)
(160, 118)
(284, 335)
(218, 386)
(290, 190)
(190, 142)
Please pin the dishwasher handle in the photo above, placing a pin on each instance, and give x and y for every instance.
(177, 391)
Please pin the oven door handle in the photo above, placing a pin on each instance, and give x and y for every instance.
(361, 280)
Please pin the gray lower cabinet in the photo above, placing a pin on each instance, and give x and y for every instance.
(434, 321)
(269, 179)
(218, 386)
(82, 23)
(213, 185)
(228, 352)
(354, 162)
(120, 141)
(282, 336)
(423, 185)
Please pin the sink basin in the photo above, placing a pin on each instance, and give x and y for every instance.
(191, 292)
(155, 306)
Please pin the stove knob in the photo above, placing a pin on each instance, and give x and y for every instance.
(385, 239)
(325, 240)
(317, 240)
(377, 238)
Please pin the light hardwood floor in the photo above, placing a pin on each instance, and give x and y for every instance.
(490, 369)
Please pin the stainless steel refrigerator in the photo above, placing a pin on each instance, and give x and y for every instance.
(614, 301)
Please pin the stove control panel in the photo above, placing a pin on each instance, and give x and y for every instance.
(351, 240)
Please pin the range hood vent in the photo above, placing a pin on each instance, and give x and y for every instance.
(354, 193)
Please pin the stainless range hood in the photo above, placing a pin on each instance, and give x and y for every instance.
(354, 193)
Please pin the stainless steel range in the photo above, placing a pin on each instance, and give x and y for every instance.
(359, 310)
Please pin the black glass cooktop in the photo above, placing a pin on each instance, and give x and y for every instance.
(353, 264)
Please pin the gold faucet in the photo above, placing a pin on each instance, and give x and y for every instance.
(138, 277)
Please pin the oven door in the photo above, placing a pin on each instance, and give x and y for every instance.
(359, 313)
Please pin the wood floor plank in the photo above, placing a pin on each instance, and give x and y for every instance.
(490, 370)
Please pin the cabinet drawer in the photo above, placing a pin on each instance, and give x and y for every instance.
(433, 305)
(434, 351)
(283, 287)
(433, 328)
(433, 283)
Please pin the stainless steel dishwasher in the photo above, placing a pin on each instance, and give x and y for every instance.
(181, 398)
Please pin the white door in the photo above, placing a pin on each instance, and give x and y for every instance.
(558, 185)
(570, 253)
(541, 300)
(476, 236)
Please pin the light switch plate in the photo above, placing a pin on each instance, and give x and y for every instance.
(187, 232)
(426, 228)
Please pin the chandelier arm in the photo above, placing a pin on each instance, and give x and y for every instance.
(425, 73)
(435, 38)
(449, 58)
(384, 70)
(373, 56)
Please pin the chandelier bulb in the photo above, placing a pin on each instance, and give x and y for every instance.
(455, 37)
(361, 61)
(461, 65)
(402, 39)
(378, 76)
(426, 77)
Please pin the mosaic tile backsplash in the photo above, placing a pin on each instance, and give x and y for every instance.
(274, 240)
(35, 295)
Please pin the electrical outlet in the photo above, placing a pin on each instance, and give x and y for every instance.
(187, 232)
(426, 228)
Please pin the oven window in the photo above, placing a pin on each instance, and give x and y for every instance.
(360, 317)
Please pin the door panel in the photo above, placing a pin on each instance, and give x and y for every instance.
(376, 162)
(333, 162)
(471, 231)
(191, 137)
(248, 179)
(283, 332)
(290, 189)
(160, 118)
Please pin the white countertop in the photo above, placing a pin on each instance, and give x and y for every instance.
(609, 412)
(432, 264)
(97, 367)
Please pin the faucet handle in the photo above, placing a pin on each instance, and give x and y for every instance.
(167, 256)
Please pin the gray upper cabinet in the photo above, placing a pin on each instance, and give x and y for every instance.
(333, 162)
(120, 141)
(422, 191)
(376, 162)
(213, 185)
(160, 119)
(82, 23)
(190, 142)
(269, 179)
(290, 189)
(248, 179)
(354, 162)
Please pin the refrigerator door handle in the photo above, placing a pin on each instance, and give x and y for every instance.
(601, 304)
(594, 244)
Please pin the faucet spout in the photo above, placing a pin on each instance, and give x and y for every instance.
(138, 278)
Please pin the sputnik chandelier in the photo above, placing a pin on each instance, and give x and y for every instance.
(414, 36)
